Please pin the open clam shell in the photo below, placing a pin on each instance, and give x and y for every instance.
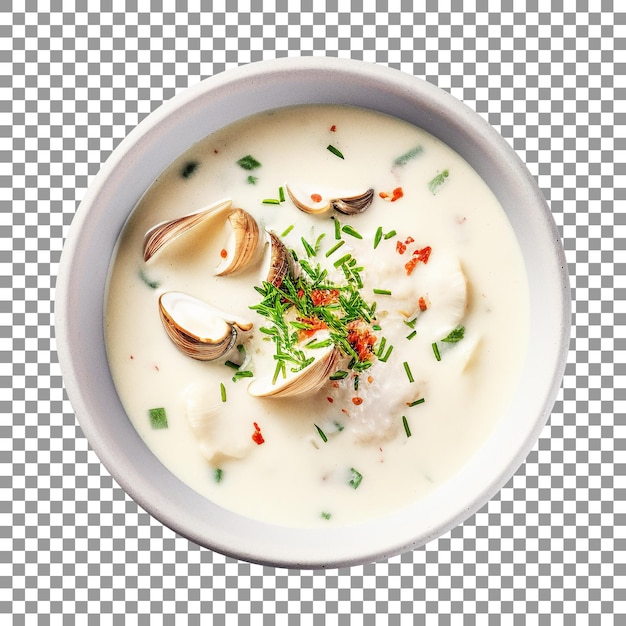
(281, 263)
(165, 232)
(197, 329)
(245, 244)
(307, 380)
(318, 202)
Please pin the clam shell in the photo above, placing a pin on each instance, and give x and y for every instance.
(197, 329)
(306, 381)
(245, 244)
(347, 203)
(281, 261)
(165, 232)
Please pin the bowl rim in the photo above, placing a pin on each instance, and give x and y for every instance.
(77, 318)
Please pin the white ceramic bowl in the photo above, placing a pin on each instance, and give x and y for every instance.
(130, 170)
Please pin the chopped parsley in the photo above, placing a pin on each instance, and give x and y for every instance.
(334, 150)
(248, 162)
(456, 335)
(407, 156)
(158, 418)
(321, 433)
(189, 168)
(355, 478)
(437, 181)
(218, 474)
(153, 284)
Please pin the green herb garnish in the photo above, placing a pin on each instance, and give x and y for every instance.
(356, 478)
(390, 234)
(382, 292)
(287, 231)
(416, 402)
(189, 168)
(407, 156)
(326, 515)
(281, 194)
(231, 365)
(321, 433)
(409, 374)
(308, 248)
(335, 247)
(334, 150)
(436, 351)
(223, 392)
(242, 374)
(352, 232)
(218, 474)
(437, 181)
(158, 418)
(337, 228)
(252, 180)
(411, 335)
(456, 335)
(378, 236)
(411, 323)
(386, 356)
(153, 284)
(405, 423)
(270, 201)
(248, 162)
(338, 375)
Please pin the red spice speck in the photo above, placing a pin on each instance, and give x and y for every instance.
(400, 247)
(384, 195)
(257, 437)
(418, 256)
(223, 253)
(361, 339)
(422, 304)
(316, 197)
(314, 322)
(344, 411)
(131, 357)
(397, 194)
(356, 400)
(324, 296)
(333, 128)
(409, 240)
(156, 367)
(370, 379)
(330, 399)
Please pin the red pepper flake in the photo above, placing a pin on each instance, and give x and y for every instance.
(314, 322)
(316, 197)
(333, 128)
(397, 194)
(156, 367)
(300, 293)
(257, 437)
(223, 253)
(409, 240)
(331, 400)
(418, 256)
(344, 411)
(356, 400)
(324, 296)
(361, 338)
(384, 195)
(370, 379)
(422, 304)
(400, 247)
(131, 357)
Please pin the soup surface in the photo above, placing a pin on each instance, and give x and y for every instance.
(358, 356)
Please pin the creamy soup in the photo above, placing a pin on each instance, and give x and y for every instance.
(316, 315)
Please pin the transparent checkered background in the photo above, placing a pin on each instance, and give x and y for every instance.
(77, 76)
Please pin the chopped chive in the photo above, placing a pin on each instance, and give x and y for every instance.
(158, 418)
(338, 426)
(356, 383)
(416, 402)
(342, 260)
(334, 150)
(231, 364)
(381, 346)
(390, 234)
(252, 180)
(356, 478)
(318, 242)
(335, 247)
(248, 162)
(312, 345)
(382, 292)
(437, 181)
(378, 236)
(407, 156)
(456, 335)
(281, 194)
(223, 392)
(326, 515)
(310, 251)
(436, 351)
(242, 374)
(321, 433)
(287, 231)
(337, 228)
(218, 474)
(338, 375)
(405, 423)
(411, 335)
(377, 327)
(411, 323)
(407, 369)
(352, 232)
(387, 354)
(270, 201)
(277, 370)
